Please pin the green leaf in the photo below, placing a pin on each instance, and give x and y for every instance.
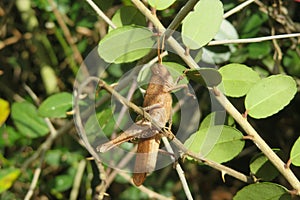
(160, 5)
(56, 105)
(291, 62)
(128, 15)
(53, 157)
(8, 177)
(295, 153)
(201, 25)
(126, 44)
(62, 183)
(262, 168)
(270, 95)
(263, 191)
(27, 120)
(259, 50)
(9, 136)
(252, 23)
(213, 119)
(102, 121)
(218, 143)
(205, 76)
(237, 79)
(5, 110)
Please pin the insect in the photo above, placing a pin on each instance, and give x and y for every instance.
(158, 103)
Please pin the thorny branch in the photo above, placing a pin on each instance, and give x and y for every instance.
(260, 143)
(288, 174)
(184, 151)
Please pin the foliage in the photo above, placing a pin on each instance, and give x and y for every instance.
(43, 45)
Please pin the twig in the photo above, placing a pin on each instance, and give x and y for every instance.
(77, 180)
(253, 40)
(82, 133)
(260, 143)
(172, 42)
(177, 142)
(101, 14)
(36, 175)
(179, 17)
(151, 194)
(288, 174)
(43, 148)
(48, 143)
(68, 36)
(125, 108)
(237, 8)
(120, 165)
(179, 170)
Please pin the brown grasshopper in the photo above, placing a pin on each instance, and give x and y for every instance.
(158, 103)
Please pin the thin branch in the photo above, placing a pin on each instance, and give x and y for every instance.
(179, 170)
(48, 143)
(82, 133)
(237, 8)
(260, 143)
(171, 41)
(167, 133)
(120, 165)
(151, 194)
(179, 17)
(101, 14)
(77, 180)
(287, 173)
(253, 40)
(68, 36)
(36, 175)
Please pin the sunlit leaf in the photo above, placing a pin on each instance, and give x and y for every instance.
(201, 25)
(56, 105)
(8, 177)
(237, 79)
(295, 153)
(160, 5)
(126, 44)
(27, 120)
(5, 110)
(213, 119)
(218, 143)
(263, 191)
(270, 95)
